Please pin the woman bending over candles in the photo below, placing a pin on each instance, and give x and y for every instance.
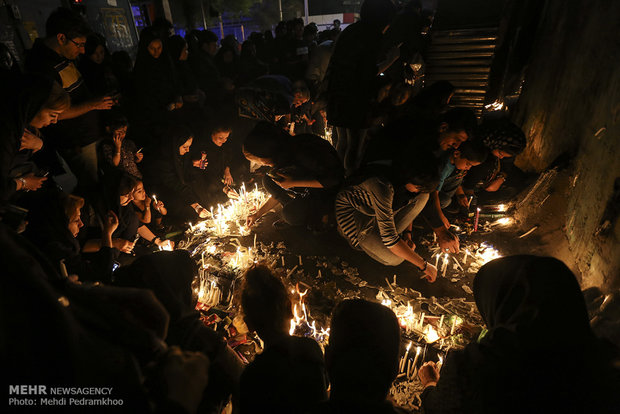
(375, 213)
(305, 177)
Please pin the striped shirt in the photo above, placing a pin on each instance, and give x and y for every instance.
(373, 199)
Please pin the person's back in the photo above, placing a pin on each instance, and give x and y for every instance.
(286, 376)
(289, 375)
(361, 359)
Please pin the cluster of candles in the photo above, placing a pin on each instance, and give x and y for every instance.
(408, 368)
(300, 319)
(478, 256)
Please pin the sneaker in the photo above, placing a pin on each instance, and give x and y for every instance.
(280, 224)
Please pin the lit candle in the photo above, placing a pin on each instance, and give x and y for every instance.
(465, 258)
(439, 363)
(415, 361)
(155, 199)
(191, 227)
(437, 260)
(476, 219)
(404, 358)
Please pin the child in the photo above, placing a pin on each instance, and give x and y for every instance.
(118, 151)
(453, 168)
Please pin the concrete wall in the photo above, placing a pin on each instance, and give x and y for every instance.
(571, 103)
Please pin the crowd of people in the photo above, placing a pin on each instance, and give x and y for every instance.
(103, 155)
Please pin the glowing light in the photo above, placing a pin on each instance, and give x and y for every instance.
(430, 334)
(495, 106)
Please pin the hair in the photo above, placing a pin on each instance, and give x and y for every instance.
(417, 167)
(264, 300)
(115, 119)
(460, 119)
(72, 204)
(207, 36)
(58, 99)
(222, 124)
(67, 22)
(126, 184)
(300, 87)
(364, 342)
(473, 151)
(265, 141)
(92, 42)
(378, 13)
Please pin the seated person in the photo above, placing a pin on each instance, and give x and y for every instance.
(306, 174)
(142, 205)
(289, 374)
(505, 141)
(453, 169)
(215, 154)
(118, 151)
(537, 320)
(361, 359)
(54, 228)
(376, 214)
(120, 193)
(176, 178)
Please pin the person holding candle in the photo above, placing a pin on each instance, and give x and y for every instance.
(176, 178)
(218, 152)
(376, 214)
(289, 374)
(539, 354)
(149, 210)
(305, 177)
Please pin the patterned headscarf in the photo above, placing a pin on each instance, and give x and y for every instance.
(503, 135)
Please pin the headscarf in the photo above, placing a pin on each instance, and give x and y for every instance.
(18, 113)
(535, 300)
(503, 135)
(175, 45)
(539, 354)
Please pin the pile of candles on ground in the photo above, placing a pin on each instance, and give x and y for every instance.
(472, 257)
(300, 323)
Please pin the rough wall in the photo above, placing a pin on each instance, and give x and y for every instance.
(571, 103)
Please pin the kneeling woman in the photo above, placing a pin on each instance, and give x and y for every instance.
(305, 178)
(376, 214)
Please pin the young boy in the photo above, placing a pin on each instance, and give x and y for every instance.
(452, 172)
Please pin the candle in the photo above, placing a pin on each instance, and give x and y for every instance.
(320, 273)
(421, 320)
(300, 264)
(434, 237)
(465, 258)
(437, 260)
(404, 358)
(254, 241)
(439, 363)
(282, 261)
(476, 219)
(191, 227)
(441, 321)
(453, 325)
(155, 199)
(415, 360)
(408, 368)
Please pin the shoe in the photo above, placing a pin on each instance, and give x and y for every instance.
(280, 224)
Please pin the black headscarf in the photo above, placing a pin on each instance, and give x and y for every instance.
(503, 135)
(17, 115)
(540, 354)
